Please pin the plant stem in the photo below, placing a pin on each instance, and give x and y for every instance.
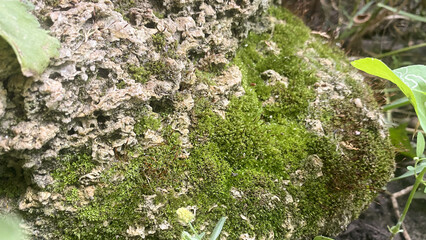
(419, 179)
(401, 50)
(193, 229)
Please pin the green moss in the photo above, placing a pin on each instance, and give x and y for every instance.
(139, 74)
(72, 195)
(53, 3)
(145, 123)
(205, 77)
(292, 101)
(123, 6)
(165, 48)
(325, 50)
(159, 40)
(158, 14)
(258, 151)
(122, 84)
(71, 168)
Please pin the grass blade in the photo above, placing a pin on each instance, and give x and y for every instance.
(218, 228)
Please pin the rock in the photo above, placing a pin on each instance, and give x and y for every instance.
(272, 78)
(152, 107)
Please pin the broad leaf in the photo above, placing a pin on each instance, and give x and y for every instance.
(411, 80)
(415, 78)
(32, 45)
(9, 228)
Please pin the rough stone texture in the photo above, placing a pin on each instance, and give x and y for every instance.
(126, 67)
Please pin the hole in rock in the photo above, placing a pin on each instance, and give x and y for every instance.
(162, 106)
(54, 75)
(12, 179)
(102, 119)
(103, 72)
(151, 25)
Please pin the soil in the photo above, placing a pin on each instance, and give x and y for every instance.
(372, 223)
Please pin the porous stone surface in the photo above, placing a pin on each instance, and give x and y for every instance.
(156, 105)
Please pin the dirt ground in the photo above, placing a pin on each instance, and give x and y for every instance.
(372, 223)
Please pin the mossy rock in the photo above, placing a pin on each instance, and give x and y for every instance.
(287, 142)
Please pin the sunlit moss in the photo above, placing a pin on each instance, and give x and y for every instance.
(257, 150)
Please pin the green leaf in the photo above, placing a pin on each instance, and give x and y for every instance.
(200, 236)
(403, 13)
(378, 68)
(185, 236)
(396, 104)
(411, 81)
(414, 77)
(322, 238)
(400, 140)
(9, 228)
(411, 171)
(32, 45)
(395, 229)
(420, 145)
(218, 228)
(420, 194)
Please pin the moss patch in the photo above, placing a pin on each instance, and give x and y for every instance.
(145, 123)
(259, 166)
(72, 168)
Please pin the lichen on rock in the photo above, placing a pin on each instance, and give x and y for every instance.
(230, 108)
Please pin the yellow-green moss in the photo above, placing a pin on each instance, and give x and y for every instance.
(145, 123)
(205, 77)
(141, 74)
(72, 167)
(254, 150)
(123, 6)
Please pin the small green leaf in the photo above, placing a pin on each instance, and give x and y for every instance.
(218, 228)
(185, 236)
(411, 171)
(378, 68)
(395, 229)
(399, 138)
(420, 194)
(396, 104)
(32, 45)
(322, 238)
(200, 236)
(403, 13)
